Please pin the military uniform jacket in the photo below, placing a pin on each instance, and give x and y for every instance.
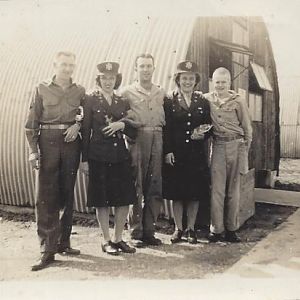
(97, 114)
(180, 123)
(188, 179)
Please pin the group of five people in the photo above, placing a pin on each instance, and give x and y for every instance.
(138, 147)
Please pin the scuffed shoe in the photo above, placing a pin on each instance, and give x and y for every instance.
(68, 251)
(230, 236)
(45, 260)
(109, 248)
(214, 237)
(177, 236)
(151, 241)
(191, 237)
(124, 247)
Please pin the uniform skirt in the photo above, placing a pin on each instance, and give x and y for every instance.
(110, 184)
(186, 181)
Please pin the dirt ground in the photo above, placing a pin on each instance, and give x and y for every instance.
(19, 246)
(19, 250)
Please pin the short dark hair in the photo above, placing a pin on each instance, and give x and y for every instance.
(143, 55)
(177, 77)
(117, 84)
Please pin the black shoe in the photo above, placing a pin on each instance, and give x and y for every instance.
(124, 247)
(68, 251)
(151, 241)
(191, 237)
(214, 237)
(45, 260)
(176, 237)
(230, 236)
(136, 235)
(109, 248)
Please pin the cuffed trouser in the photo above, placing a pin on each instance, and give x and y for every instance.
(146, 155)
(227, 164)
(55, 189)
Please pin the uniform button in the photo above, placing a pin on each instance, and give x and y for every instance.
(114, 135)
(187, 132)
(187, 141)
(115, 144)
(188, 123)
(189, 114)
(219, 116)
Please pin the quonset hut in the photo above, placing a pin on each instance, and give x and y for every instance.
(238, 43)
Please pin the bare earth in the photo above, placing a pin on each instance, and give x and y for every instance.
(19, 249)
(19, 246)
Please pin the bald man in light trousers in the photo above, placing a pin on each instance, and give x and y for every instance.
(232, 136)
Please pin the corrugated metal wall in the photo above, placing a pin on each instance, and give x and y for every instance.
(27, 58)
(290, 118)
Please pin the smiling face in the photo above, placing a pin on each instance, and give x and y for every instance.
(107, 82)
(221, 83)
(64, 66)
(187, 82)
(144, 69)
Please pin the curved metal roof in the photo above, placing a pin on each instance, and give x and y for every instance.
(26, 58)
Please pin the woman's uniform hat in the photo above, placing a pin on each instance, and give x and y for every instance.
(112, 68)
(109, 67)
(187, 66)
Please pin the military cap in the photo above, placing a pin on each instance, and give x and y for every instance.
(108, 67)
(187, 66)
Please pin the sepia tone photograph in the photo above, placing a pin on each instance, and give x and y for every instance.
(149, 150)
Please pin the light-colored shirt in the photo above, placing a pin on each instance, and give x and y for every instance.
(230, 116)
(146, 105)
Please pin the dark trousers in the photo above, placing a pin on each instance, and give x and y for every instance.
(55, 189)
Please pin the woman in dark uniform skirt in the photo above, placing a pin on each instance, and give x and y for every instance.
(105, 156)
(186, 173)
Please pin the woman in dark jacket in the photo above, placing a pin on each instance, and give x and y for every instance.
(186, 174)
(105, 156)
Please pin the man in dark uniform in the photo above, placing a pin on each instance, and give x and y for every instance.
(52, 128)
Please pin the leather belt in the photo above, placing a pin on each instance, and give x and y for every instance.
(151, 128)
(227, 138)
(54, 126)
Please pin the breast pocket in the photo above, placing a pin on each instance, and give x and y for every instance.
(51, 107)
(228, 114)
(74, 100)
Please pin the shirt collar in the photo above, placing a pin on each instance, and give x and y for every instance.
(51, 81)
(140, 89)
(232, 95)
